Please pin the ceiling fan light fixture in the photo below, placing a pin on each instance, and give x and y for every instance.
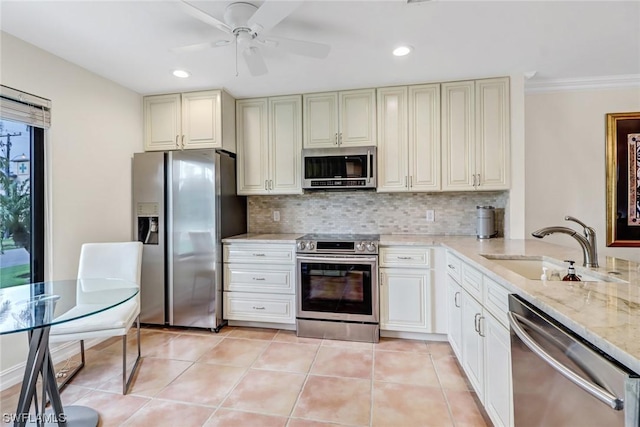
(181, 74)
(402, 50)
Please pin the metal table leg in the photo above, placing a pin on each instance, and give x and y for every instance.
(39, 364)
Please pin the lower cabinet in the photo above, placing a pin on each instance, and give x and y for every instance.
(259, 307)
(454, 316)
(406, 301)
(480, 337)
(407, 295)
(498, 372)
(473, 343)
(259, 282)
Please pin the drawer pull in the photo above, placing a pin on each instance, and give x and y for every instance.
(451, 266)
(258, 254)
(258, 308)
(259, 278)
(405, 257)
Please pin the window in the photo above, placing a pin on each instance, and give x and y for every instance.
(21, 192)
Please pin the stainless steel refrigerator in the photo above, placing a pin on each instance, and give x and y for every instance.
(184, 204)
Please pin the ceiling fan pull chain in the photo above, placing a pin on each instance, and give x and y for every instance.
(236, 43)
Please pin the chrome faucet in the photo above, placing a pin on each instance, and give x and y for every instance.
(587, 242)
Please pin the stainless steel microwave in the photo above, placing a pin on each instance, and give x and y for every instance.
(339, 168)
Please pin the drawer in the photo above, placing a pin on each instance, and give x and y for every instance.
(260, 253)
(496, 300)
(454, 267)
(256, 307)
(472, 281)
(259, 278)
(405, 256)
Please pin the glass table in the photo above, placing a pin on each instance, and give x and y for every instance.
(35, 308)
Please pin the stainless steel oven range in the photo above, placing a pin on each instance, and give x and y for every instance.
(337, 287)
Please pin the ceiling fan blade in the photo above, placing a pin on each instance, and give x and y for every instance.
(204, 17)
(270, 14)
(199, 46)
(254, 60)
(300, 47)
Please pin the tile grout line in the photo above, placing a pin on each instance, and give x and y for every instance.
(442, 390)
(304, 384)
(372, 395)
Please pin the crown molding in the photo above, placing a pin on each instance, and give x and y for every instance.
(586, 83)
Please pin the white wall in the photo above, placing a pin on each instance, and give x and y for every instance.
(96, 127)
(565, 160)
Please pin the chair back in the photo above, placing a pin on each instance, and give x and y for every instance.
(113, 260)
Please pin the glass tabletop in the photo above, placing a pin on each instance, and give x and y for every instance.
(36, 305)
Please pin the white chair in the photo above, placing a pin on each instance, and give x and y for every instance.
(119, 260)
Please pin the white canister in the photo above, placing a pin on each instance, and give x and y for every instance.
(486, 222)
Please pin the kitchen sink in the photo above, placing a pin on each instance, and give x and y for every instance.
(530, 267)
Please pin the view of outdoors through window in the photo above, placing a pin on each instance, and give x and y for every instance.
(15, 203)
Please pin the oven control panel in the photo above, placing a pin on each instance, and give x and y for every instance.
(367, 247)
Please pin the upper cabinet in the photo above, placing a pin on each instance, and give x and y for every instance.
(409, 138)
(269, 145)
(189, 121)
(336, 119)
(475, 135)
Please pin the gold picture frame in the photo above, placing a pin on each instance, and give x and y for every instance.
(623, 179)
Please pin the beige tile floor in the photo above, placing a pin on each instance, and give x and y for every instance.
(264, 377)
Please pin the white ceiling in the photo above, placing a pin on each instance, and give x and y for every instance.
(129, 41)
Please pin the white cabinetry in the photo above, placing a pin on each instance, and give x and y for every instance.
(259, 282)
(335, 119)
(475, 135)
(269, 145)
(479, 335)
(189, 121)
(409, 138)
(406, 294)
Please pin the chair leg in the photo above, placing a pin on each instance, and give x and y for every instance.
(77, 369)
(126, 382)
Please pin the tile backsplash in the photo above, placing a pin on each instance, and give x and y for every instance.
(371, 212)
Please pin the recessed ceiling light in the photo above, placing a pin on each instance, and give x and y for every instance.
(402, 50)
(181, 73)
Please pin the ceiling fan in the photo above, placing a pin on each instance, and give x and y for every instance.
(247, 23)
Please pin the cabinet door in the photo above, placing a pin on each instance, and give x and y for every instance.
(454, 315)
(320, 120)
(201, 120)
(492, 134)
(285, 145)
(405, 302)
(252, 147)
(424, 137)
(458, 128)
(162, 122)
(357, 124)
(392, 140)
(472, 343)
(498, 397)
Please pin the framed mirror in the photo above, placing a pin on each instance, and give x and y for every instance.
(623, 179)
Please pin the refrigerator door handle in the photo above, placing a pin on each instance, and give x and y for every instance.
(169, 244)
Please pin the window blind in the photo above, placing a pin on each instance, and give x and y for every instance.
(24, 107)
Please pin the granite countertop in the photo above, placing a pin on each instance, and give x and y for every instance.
(606, 314)
(264, 238)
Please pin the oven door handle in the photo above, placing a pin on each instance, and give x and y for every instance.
(336, 259)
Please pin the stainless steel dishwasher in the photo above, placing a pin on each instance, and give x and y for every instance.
(558, 380)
